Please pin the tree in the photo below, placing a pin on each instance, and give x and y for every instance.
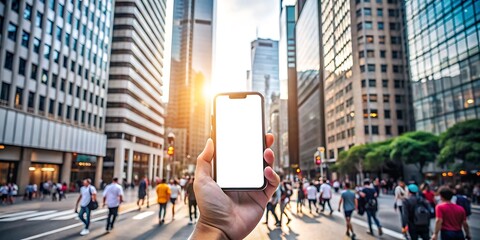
(462, 141)
(379, 155)
(353, 159)
(417, 148)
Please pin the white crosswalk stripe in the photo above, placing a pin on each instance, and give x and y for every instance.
(74, 215)
(16, 214)
(11, 219)
(49, 216)
(143, 215)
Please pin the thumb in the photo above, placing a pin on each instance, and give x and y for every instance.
(204, 161)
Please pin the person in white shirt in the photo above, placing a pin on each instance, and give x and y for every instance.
(112, 197)
(400, 195)
(326, 195)
(176, 193)
(312, 196)
(87, 193)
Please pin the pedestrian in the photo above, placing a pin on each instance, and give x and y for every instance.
(285, 194)
(88, 194)
(371, 206)
(428, 194)
(142, 193)
(46, 189)
(4, 193)
(272, 205)
(54, 192)
(400, 195)
(336, 186)
(476, 193)
(300, 197)
(461, 199)
(183, 183)
(192, 201)
(450, 218)
(350, 203)
(163, 196)
(176, 193)
(112, 197)
(376, 185)
(312, 197)
(35, 191)
(416, 214)
(63, 191)
(326, 195)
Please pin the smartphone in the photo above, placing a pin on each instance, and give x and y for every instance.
(239, 138)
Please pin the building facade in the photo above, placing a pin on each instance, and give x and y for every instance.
(190, 74)
(311, 120)
(135, 115)
(289, 72)
(444, 53)
(264, 76)
(54, 58)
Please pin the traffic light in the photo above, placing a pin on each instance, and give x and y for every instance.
(318, 160)
(299, 171)
(170, 151)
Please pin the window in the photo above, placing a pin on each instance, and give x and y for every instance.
(397, 68)
(392, 13)
(372, 83)
(381, 39)
(8, 61)
(25, 39)
(371, 67)
(380, 12)
(362, 68)
(65, 61)
(15, 5)
(75, 115)
(78, 92)
(370, 98)
(373, 113)
(395, 40)
(72, 66)
(67, 39)
(46, 51)
(36, 45)
(18, 97)
(401, 130)
(79, 70)
(370, 53)
(367, 11)
(386, 113)
(5, 94)
(31, 99)
(386, 98)
(396, 54)
(368, 25)
(84, 94)
(374, 129)
(59, 33)
(384, 68)
(399, 114)
(69, 109)
(398, 83)
(33, 72)
(366, 130)
(39, 19)
(12, 32)
(60, 10)
(399, 99)
(27, 14)
(369, 39)
(74, 44)
(51, 4)
(388, 130)
(385, 83)
(21, 66)
(62, 84)
(41, 104)
(60, 109)
(382, 53)
(49, 27)
(56, 56)
(51, 105)
(54, 80)
(394, 26)
(44, 78)
(83, 116)
(69, 17)
(361, 54)
(70, 88)
(380, 26)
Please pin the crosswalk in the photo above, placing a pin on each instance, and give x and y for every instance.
(55, 215)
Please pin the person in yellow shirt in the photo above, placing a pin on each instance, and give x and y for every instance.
(163, 196)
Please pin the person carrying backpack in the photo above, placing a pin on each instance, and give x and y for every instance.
(462, 200)
(416, 215)
(371, 206)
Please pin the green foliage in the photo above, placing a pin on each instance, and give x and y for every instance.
(462, 141)
(378, 156)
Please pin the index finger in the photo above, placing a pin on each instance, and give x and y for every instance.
(269, 139)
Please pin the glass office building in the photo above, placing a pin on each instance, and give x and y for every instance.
(443, 41)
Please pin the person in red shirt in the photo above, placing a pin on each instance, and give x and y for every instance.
(428, 194)
(450, 218)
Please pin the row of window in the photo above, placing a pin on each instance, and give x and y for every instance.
(351, 132)
(382, 53)
(386, 98)
(398, 84)
(85, 117)
(381, 39)
(377, 1)
(368, 12)
(368, 25)
(383, 68)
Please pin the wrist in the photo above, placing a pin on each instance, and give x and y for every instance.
(204, 231)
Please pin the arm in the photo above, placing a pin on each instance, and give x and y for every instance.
(340, 203)
(466, 228)
(104, 200)
(356, 203)
(438, 225)
(207, 232)
(78, 201)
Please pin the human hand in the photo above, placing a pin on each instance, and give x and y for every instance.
(232, 214)
(434, 237)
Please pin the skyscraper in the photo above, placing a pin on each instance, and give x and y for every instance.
(54, 58)
(443, 43)
(264, 76)
(362, 78)
(287, 56)
(190, 75)
(135, 114)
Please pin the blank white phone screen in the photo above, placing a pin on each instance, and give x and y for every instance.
(239, 142)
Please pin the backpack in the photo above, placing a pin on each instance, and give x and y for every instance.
(371, 204)
(421, 213)
(465, 204)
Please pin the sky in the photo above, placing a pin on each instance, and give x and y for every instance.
(238, 23)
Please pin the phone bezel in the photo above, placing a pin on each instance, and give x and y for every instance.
(238, 95)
